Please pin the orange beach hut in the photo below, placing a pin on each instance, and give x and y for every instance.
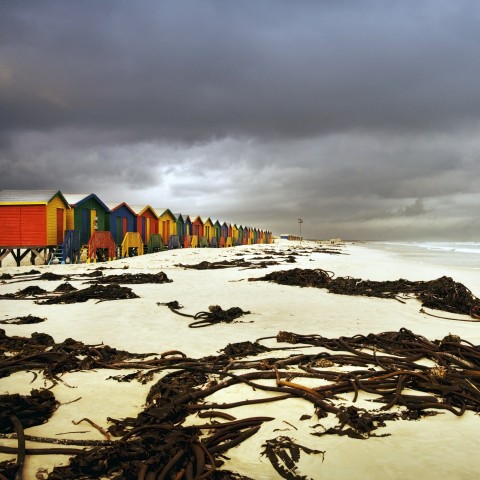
(147, 221)
(31, 220)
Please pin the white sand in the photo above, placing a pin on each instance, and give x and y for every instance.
(432, 448)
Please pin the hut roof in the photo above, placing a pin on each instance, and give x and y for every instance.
(139, 209)
(75, 198)
(29, 196)
(114, 206)
(162, 211)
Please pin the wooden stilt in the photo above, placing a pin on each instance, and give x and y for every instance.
(19, 256)
(4, 252)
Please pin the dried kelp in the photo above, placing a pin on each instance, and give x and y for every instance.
(31, 410)
(26, 320)
(50, 276)
(389, 366)
(215, 265)
(440, 294)
(32, 291)
(98, 292)
(41, 352)
(37, 341)
(245, 348)
(65, 287)
(134, 278)
(284, 455)
(215, 314)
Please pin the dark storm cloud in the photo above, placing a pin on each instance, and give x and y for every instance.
(186, 70)
(361, 116)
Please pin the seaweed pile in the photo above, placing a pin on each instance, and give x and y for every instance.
(40, 352)
(69, 294)
(390, 366)
(260, 262)
(215, 265)
(133, 278)
(440, 294)
(26, 320)
(16, 413)
(228, 264)
(215, 314)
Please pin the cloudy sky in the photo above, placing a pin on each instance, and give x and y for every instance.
(362, 117)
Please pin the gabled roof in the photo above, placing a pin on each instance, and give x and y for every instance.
(139, 209)
(178, 216)
(75, 199)
(112, 206)
(198, 217)
(162, 211)
(41, 197)
(206, 219)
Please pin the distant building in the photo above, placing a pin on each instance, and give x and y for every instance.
(288, 236)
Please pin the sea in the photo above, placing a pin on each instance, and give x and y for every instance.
(451, 254)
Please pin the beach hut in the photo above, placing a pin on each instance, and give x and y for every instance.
(246, 236)
(197, 231)
(32, 221)
(187, 224)
(120, 220)
(187, 229)
(235, 232)
(167, 224)
(147, 221)
(87, 214)
(179, 220)
(217, 230)
(224, 232)
(208, 231)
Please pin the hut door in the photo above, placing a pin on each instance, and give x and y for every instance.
(119, 230)
(147, 238)
(85, 230)
(166, 230)
(59, 226)
(93, 221)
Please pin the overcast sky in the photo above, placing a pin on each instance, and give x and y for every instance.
(360, 117)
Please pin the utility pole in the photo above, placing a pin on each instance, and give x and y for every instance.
(300, 221)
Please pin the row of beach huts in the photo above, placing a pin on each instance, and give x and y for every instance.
(53, 226)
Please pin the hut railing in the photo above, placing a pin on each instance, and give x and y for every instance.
(155, 243)
(132, 240)
(71, 246)
(101, 240)
(174, 242)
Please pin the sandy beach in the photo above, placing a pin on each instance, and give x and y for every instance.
(433, 447)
